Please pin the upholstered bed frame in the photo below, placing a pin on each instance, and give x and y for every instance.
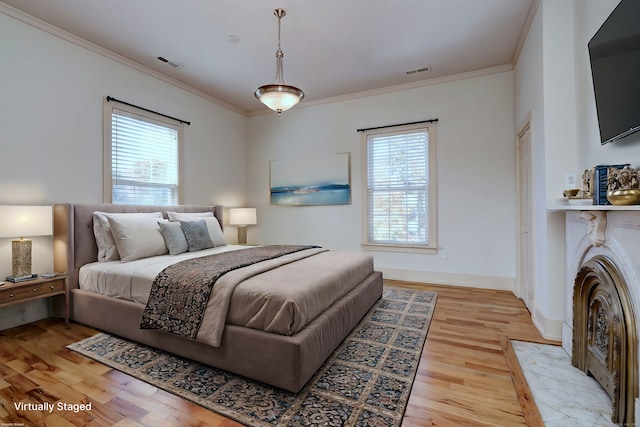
(287, 362)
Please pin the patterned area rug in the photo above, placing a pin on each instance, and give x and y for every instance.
(365, 382)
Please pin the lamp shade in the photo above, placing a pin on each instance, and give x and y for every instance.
(242, 216)
(279, 97)
(21, 221)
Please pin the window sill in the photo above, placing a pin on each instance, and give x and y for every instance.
(400, 248)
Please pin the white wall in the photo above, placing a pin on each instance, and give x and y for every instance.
(592, 13)
(475, 167)
(51, 129)
(529, 106)
(545, 94)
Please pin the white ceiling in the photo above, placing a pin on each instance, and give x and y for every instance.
(331, 47)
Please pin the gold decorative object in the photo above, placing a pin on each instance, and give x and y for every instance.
(622, 178)
(588, 179)
(624, 197)
(573, 192)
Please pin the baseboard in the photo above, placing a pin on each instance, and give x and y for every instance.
(454, 279)
(550, 329)
(567, 338)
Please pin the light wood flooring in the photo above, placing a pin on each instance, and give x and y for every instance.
(468, 375)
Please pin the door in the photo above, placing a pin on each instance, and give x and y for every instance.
(525, 262)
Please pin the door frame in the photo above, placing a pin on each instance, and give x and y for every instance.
(521, 291)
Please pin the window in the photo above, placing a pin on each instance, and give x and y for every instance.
(400, 188)
(142, 157)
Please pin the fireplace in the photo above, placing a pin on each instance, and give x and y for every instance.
(603, 295)
(604, 334)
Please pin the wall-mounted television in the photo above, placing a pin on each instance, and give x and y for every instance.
(614, 52)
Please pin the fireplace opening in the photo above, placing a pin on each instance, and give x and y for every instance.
(604, 334)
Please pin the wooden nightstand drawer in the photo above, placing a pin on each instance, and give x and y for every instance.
(42, 287)
(25, 291)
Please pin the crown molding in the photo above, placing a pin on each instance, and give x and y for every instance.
(71, 38)
(525, 30)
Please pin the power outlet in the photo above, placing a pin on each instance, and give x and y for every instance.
(569, 181)
(444, 254)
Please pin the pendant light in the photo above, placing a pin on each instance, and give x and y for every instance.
(278, 96)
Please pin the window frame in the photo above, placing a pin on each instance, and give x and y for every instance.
(432, 246)
(139, 114)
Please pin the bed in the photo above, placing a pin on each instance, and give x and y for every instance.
(282, 354)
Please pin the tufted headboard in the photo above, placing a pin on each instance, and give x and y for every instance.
(74, 243)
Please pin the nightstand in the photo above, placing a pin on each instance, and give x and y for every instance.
(15, 293)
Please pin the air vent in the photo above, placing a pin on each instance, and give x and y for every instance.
(166, 61)
(418, 70)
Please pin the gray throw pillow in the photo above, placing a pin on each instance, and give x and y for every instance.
(174, 237)
(197, 235)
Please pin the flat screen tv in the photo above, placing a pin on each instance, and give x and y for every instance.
(614, 52)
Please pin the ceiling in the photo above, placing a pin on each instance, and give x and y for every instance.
(226, 48)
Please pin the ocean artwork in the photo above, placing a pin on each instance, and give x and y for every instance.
(321, 180)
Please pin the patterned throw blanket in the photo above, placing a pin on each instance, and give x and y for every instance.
(180, 292)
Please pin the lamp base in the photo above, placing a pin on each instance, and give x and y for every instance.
(21, 258)
(242, 234)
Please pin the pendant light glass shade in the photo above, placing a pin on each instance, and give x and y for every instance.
(278, 96)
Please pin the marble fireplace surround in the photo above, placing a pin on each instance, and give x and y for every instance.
(612, 233)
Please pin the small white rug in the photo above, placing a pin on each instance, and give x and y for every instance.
(565, 396)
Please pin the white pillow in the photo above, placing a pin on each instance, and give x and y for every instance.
(137, 237)
(174, 237)
(107, 249)
(215, 232)
(187, 216)
(213, 226)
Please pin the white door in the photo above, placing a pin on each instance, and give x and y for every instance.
(525, 269)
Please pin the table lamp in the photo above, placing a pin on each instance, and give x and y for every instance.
(21, 221)
(242, 217)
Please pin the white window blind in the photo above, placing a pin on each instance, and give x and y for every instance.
(398, 196)
(144, 160)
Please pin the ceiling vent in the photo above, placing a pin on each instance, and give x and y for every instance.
(418, 70)
(166, 61)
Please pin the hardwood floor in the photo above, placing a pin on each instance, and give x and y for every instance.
(467, 375)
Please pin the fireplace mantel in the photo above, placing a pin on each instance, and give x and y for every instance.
(563, 206)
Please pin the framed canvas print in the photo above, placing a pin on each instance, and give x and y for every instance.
(317, 180)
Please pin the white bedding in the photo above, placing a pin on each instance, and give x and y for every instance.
(132, 280)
